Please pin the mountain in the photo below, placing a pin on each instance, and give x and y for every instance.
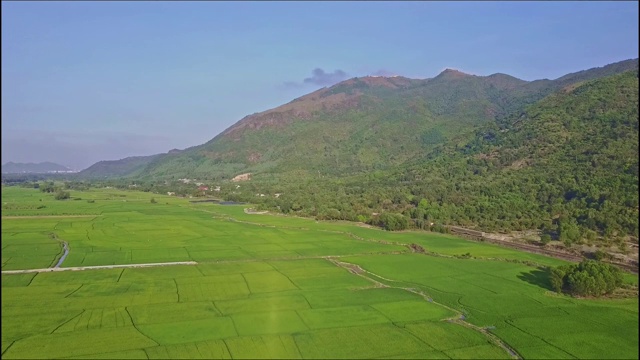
(566, 165)
(356, 126)
(362, 125)
(33, 168)
(130, 166)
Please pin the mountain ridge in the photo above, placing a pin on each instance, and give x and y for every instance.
(351, 125)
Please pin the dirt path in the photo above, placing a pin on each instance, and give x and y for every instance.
(81, 268)
(510, 241)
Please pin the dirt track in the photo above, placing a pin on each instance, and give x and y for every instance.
(480, 236)
(80, 268)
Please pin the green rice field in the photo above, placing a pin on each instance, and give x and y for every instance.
(268, 286)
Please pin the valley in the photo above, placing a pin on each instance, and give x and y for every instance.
(333, 226)
(320, 180)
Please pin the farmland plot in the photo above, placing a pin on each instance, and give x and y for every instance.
(270, 287)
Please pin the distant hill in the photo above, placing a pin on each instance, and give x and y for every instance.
(33, 168)
(129, 166)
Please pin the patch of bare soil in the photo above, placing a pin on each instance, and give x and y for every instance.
(253, 212)
(242, 177)
(530, 241)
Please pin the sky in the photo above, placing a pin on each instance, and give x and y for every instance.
(89, 81)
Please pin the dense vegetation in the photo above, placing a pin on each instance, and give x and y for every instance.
(588, 278)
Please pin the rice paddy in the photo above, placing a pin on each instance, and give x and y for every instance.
(276, 287)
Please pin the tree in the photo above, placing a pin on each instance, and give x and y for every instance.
(47, 188)
(392, 222)
(62, 195)
(569, 231)
(556, 277)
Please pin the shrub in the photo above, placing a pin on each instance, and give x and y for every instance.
(62, 195)
(545, 239)
(392, 222)
(588, 278)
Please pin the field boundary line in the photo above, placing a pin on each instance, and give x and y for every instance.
(133, 323)
(510, 323)
(30, 281)
(288, 278)
(8, 347)
(177, 290)
(68, 321)
(120, 276)
(224, 341)
(74, 291)
(97, 267)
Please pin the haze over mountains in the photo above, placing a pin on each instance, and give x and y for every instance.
(33, 168)
(356, 126)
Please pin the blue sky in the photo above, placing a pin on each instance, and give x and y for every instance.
(90, 81)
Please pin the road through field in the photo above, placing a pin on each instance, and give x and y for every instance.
(99, 267)
(47, 216)
(80, 268)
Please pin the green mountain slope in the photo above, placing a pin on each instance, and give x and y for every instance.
(131, 166)
(362, 125)
(567, 165)
(574, 155)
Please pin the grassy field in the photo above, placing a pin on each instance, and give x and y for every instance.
(276, 287)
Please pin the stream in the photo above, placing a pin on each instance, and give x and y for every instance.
(65, 246)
